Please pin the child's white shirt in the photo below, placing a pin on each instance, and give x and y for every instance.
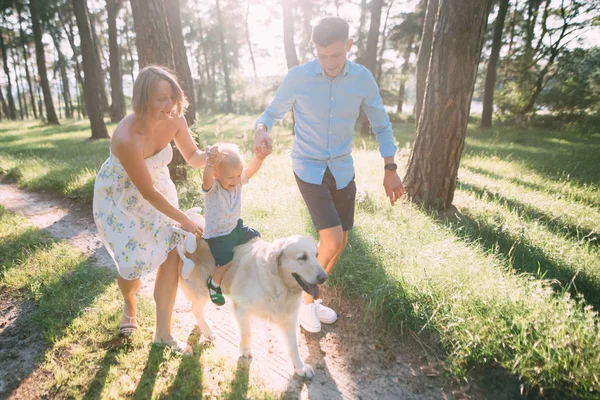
(222, 208)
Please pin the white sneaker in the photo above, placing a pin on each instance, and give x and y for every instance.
(309, 320)
(326, 315)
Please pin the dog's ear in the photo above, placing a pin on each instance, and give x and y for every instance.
(277, 254)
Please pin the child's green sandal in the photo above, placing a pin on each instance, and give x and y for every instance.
(216, 295)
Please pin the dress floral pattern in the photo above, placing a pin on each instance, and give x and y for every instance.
(137, 235)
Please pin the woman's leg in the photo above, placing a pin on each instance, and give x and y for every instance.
(129, 290)
(165, 291)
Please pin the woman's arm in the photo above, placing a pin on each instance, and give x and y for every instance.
(188, 149)
(131, 155)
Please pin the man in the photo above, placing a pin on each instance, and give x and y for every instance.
(326, 95)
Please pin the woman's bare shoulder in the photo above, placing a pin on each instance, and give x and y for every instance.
(124, 137)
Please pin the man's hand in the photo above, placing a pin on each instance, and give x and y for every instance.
(393, 186)
(263, 144)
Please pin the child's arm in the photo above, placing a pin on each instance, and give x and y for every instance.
(253, 167)
(212, 154)
(207, 177)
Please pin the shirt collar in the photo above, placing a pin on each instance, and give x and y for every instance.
(319, 69)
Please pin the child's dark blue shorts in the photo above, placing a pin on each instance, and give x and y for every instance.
(221, 247)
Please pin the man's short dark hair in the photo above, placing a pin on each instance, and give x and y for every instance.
(329, 30)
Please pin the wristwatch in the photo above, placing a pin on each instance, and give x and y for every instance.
(391, 166)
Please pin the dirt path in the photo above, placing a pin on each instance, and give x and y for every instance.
(350, 362)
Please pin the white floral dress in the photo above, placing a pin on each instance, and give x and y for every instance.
(137, 235)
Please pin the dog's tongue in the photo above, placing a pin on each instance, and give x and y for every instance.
(309, 288)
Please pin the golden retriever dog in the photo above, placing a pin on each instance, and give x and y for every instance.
(265, 280)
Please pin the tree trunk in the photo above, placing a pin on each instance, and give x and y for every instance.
(229, 106)
(250, 43)
(41, 61)
(491, 74)
(152, 37)
(424, 55)
(5, 111)
(26, 62)
(99, 55)
(40, 96)
(360, 41)
(128, 44)
(439, 142)
(12, 111)
(210, 78)
(92, 82)
(182, 66)
(404, 73)
(22, 101)
(117, 99)
(383, 41)
(370, 57)
(62, 66)
(288, 35)
(154, 46)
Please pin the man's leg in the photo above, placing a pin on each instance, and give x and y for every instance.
(331, 243)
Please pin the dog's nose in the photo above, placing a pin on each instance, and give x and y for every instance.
(322, 277)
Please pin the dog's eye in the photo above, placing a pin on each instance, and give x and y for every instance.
(303, 257)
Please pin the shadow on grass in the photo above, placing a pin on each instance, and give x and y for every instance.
(241, 380)
(523, 256)
(555, 224)
(60, 303)
(578, 163)
(145, 387)
(96, 385)
(587, 200)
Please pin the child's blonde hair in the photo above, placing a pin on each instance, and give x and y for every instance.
(147, 82)
(232, 156)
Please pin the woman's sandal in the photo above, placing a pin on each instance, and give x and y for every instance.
(176, 346)
(129, 328)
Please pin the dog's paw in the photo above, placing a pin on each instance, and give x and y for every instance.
(305, 371)
(246, 352)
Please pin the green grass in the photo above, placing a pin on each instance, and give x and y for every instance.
(77, 310)
(512, 280)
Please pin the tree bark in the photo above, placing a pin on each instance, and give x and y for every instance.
(99, 56)
(92, 82)
(370, 57)
(289, 46)
(492, 67)
(439, 142)
(424, 55)
(128, 46)
(152, 37)
(182, 66)
(229, 106)
(41, 62)
(12, 110)
(117, 98)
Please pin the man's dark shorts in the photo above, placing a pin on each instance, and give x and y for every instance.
(221, 247)
(327, 205)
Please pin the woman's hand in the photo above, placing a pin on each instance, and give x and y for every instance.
(213, 156)
(189, 225)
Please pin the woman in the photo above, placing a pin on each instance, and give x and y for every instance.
(135, 201)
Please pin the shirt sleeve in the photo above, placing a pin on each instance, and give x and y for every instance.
(378, 116)
(282, 102)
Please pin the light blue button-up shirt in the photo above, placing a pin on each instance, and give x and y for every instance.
(325, 112)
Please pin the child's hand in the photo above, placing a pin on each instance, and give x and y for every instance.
(213, 155)
(263, 151)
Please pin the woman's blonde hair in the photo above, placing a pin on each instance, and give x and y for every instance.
(232, 156)
(146, 83)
